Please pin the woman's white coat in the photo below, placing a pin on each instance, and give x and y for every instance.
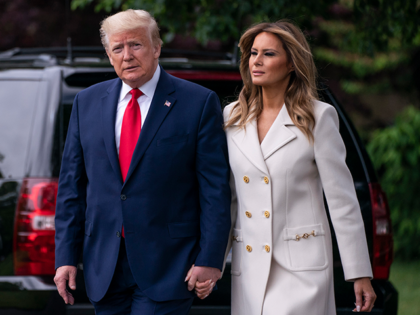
(277, 190)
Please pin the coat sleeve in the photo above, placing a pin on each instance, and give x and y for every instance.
(234, 201)
(212, 170)
(337, 182)
(71, 197)
(233, 214)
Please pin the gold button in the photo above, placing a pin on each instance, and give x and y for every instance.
(267, 214)
(267, 248)
(266, 180)
(248, 214)
(248, 248)
(246, 179)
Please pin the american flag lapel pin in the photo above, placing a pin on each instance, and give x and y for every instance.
(167, 103)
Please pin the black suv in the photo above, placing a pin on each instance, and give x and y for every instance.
(37, 88)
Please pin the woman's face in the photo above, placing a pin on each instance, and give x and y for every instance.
(268, 62)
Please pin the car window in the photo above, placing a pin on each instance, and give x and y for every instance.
(17, 100)
(60, 134)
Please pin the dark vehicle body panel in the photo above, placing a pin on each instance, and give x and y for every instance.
(43, 150)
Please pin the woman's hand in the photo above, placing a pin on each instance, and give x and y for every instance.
(365, 296)
(202, 289)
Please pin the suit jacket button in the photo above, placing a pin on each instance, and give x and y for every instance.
(118, 234)
(248, 214)
(267, 248)
(266, 180)
(267, 214)
(246, 179)
(248, 248)
(123, 197)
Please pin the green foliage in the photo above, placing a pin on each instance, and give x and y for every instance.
(395, 152)
(378, 21)
(363, 59)
(342, 34)
(361, 65)
(224, 20)
(360, 87)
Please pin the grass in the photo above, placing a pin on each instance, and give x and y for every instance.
(406, 278)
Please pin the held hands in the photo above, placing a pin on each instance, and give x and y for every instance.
(365, 296)
(203, 279)
(62, 275)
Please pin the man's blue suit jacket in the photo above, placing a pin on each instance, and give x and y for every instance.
(174, 204)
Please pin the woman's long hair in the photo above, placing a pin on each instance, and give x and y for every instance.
(301, 90)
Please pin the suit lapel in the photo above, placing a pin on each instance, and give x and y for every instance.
(247, 141)
(109, 113)
(157, 113)
(279, 134)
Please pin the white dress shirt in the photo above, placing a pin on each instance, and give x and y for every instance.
(144, 101)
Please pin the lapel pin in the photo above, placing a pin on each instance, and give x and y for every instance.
(167, 103)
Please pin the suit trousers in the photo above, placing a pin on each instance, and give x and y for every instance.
(124, 297)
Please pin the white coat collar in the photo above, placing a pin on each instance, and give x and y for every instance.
(279, 135)
(248, 143)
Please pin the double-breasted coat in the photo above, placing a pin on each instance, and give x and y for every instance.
(282, 260)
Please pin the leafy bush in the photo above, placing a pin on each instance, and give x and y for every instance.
(396, 155)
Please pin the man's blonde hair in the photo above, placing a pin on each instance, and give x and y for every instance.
(127, 21)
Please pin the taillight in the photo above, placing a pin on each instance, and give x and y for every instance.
(382, 233)
(33, 242)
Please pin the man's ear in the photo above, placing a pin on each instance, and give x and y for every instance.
(109, 56)
(156, 51)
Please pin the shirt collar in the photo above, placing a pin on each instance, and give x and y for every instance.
(148, 88)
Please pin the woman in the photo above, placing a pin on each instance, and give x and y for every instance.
(284, 150)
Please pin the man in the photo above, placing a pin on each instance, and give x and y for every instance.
(143, 189)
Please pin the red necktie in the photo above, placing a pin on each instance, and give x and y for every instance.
(130, 132)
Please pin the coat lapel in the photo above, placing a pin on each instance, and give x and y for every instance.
(279, 134)
(157, 113)
(109, 113)
(247, 141)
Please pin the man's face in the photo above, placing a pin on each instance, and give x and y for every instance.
(133, 56)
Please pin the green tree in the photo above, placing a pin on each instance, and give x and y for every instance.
(395, 152)
(380, 21)
(224, 20)
(377, 21)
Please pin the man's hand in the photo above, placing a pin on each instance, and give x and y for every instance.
(62, 275)
(203, 279)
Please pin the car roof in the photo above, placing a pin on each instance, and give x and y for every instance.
(22, 74)
(95, 57)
